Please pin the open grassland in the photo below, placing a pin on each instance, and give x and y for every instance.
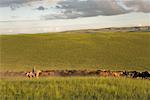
(75, 88)
(113, 50)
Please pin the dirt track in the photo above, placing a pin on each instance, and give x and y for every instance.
(65, 73)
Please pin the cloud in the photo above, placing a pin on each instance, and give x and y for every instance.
(14, 4)
(70, 9)
(137, 5)
(89, 8)
(8, 3)
(41, 8)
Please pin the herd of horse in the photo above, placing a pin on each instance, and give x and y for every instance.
(104, 73)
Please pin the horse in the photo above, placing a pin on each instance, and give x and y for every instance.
(33, 74)
(30, 74)
(117, 74)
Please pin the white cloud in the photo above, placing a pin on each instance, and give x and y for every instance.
(70, 9)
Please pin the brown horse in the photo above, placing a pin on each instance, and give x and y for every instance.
(105, 73)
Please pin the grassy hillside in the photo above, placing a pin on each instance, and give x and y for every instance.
(115, 51)
(75, 88)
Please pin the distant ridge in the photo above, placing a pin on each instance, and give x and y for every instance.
(90, 31)
(115, 29)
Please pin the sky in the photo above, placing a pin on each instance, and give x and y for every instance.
(41, 16)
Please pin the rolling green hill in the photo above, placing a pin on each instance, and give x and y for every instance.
(113, 50)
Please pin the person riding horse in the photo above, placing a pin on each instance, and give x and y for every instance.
(33, 73)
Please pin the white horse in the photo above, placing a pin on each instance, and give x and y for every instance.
(30, 74)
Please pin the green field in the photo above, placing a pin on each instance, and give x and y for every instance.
(113, 50)
(71, 50)
(75, 88)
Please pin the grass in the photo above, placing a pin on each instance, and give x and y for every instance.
(113, 50)
(75, 88)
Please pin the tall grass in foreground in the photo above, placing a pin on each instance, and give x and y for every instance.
(75, 88)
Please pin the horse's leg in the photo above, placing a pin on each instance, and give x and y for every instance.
(28, 76)
(37, 75)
